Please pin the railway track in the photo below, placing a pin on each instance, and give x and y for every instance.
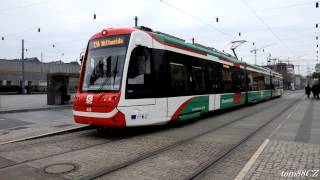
(85, 132)
(55, 133)
(200, 171)
(150, 154)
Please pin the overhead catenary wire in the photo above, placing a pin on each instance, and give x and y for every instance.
(77, 17)
(20, 32)
(268, 27)
(266, 10)
(25, 6)
(197, 19)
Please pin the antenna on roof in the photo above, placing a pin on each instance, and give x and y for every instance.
(144, 28)
(136, 21)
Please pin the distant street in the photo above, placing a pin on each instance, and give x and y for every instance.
(22, 101)
(25, 101)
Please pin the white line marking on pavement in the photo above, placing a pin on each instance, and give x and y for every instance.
(253, 158)
(2, 119)
(249, 164)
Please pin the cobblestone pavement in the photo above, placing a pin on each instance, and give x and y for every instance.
(294, 149)
(287, 160)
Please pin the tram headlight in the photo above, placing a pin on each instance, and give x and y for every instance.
(112, 99)
(104, 32)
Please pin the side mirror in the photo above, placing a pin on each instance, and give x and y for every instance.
(81, 58)
(82, 54)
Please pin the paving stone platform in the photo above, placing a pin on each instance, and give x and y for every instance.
(286, 160)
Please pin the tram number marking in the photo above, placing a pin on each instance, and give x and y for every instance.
(89, 99)
(229, 100)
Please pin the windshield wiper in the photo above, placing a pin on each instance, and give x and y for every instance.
(115, 72)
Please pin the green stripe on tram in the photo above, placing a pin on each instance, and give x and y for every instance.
(230, 100)
(254, 96)
(196, 107)
(200, 105)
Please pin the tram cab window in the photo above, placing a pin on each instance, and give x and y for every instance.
(139, 77)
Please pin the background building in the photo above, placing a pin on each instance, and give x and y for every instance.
(35, 74)
(317, 68)
(299, 82)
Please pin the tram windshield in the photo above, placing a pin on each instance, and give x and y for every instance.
(104, 64)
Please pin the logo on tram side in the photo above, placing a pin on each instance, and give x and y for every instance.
(229, 100)
(89, 99)
(237, 98)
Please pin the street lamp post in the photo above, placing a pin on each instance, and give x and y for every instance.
(22, 69)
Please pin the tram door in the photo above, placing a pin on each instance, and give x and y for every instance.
(145, 106)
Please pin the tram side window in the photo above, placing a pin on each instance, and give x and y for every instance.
(213, 78)
(160, 72)
(255, 81)
(139, 79)
(258, 81)
(275, 82)
(267, 82)
(227, 80)
(197, 77)
(250, 80)
(238, 83)
(179, 79)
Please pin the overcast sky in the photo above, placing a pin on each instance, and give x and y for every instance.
(287, 25)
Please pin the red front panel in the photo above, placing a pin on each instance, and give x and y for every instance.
(118, 120)
(98, 109)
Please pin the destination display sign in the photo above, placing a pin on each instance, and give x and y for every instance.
(109, 42)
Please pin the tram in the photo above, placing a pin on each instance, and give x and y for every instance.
(137, 77)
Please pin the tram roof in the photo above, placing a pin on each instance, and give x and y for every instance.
(208, 50)
(169, 39)
(211, 51)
